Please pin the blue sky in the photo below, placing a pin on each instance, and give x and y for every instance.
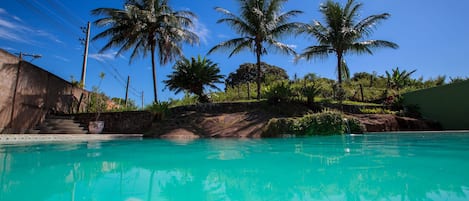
(433, 37)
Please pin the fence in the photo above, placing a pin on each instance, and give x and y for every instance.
(447, 104)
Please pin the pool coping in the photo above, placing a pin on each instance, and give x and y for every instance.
(419, 132)
(21, 138)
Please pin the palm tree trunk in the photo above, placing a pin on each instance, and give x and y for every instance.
(258, 56)
(153, 67)
(339, 68)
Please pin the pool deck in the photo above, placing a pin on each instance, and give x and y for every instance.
(20, 138)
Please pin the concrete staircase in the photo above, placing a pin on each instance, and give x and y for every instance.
(60, 125)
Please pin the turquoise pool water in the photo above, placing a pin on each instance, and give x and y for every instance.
(362, 167)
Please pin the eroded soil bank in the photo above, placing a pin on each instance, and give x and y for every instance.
(248, 120)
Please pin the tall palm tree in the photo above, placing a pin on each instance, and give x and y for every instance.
(147, 26)
(193, 76)
(260, 25)
(343, 33)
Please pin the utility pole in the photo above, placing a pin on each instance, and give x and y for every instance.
(142, 100)
(127, 91)
(18, 70)
(85, 55)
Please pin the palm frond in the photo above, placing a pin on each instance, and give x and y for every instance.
(230, 44)
(311, 52)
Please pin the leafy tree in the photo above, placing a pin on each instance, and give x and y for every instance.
(260, 25)
(343, 33)
(193, 75)
(398, 79)
(247, 72)
(146, 26)
(458, 79)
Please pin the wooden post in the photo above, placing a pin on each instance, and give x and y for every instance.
(361, 91)
(127, 91)
(142, 101)
(249, 91)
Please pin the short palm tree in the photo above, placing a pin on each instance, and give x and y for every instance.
(398, 79)
(194, 76)
(260, 25)
(147, 26)
(343, 33)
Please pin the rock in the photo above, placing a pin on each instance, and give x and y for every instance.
(389, 122)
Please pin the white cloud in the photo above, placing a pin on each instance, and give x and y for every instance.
(104, 56)
(201, 30)
(10, 49)
(61, 58)
(7, 35)
(13, 29)
(223, 36)
(17, 18)
(49, 36)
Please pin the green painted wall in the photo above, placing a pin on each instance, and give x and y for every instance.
(448, 104)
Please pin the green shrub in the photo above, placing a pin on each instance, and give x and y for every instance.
(277, 126)
(188, 99)
(376, 111)
(278, 92)
(160, 110)
(325, 123)
(310, 91)
(355, 126)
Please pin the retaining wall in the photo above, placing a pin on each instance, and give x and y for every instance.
(120, 122)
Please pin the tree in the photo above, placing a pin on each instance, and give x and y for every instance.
(147, 26)
(343, 33)
(193, 76)
(260, 25)
(247, 72)
(398, 79)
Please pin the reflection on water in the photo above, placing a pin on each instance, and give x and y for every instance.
(367, 167)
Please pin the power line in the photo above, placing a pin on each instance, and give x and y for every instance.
(60, 17)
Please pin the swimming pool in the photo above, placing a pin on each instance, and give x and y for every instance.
(423, 166)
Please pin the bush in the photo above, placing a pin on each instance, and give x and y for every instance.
(277, 126)
(310, 91)
(325, 123)
(279, 92)
(160, 110)
(377, 110)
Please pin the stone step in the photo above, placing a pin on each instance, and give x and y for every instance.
(61, 125)
(59, 121)
(59, 117)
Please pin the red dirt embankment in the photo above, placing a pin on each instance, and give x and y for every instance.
(389, 122)
(241, 121)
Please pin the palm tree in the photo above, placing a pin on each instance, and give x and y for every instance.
(193, 76)
(343, 33)
(260, 25)
(147, 26)
(398, 79)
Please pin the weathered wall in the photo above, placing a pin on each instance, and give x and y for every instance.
(448, 104)
(8, 70)
(37, 93)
